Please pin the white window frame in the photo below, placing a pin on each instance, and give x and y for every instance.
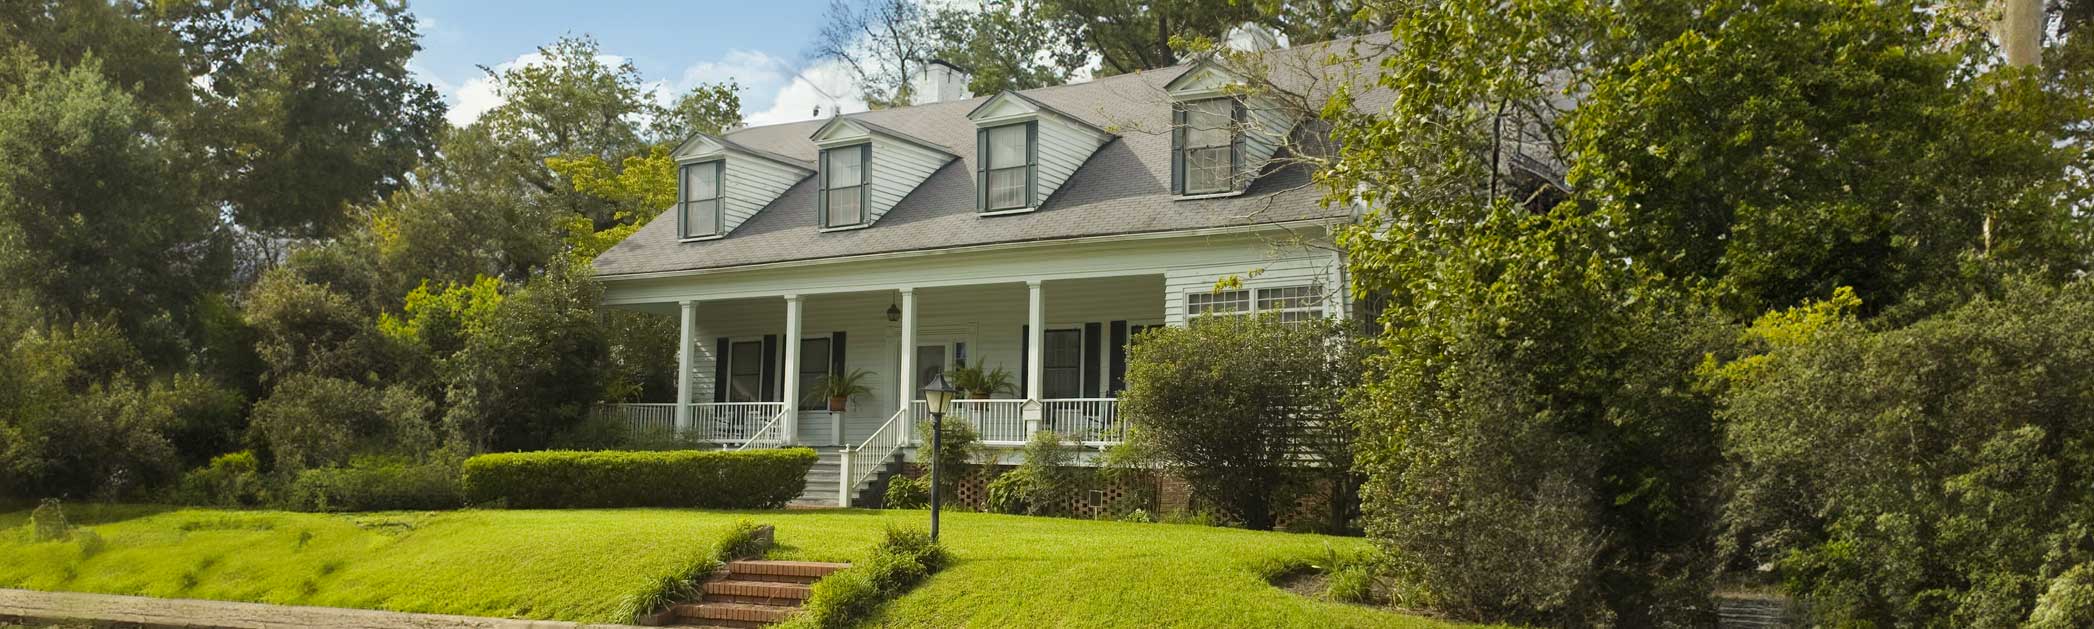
(864, 153)
(1023, 168)
(1183, 154)
(1257, 301)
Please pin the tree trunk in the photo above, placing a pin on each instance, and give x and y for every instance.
(2020, 30)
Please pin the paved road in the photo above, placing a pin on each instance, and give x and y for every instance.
(174, 613)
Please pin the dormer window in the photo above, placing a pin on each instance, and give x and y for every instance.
(1009, 166)
(1208, 146)
(844, 185)
(701, 199)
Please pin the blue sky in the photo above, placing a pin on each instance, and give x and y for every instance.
(761, 43)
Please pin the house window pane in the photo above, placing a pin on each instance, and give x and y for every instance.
(1063, 364)
(844, 207)
(1007, 146)
(701, 200)
(1208, 153)
(1007, 188)
(814, 366)
(1228, 302)
(1207, 170)
(845, 167)
(701, 218)
(745, 372)
(1293, 303)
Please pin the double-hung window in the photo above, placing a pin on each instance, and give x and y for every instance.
(701, 199)
(814, 366)
(1063, 362)
(1293, 303)
(745, 371)
(843, 176)
(1007, 167)
(1207, 146)
(1219, 303)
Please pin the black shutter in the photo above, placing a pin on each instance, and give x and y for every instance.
(1177, 148)
(1091, 376)
(1116, 361)
(821, 189)
(981, 170)
(770, 368)
(1032, 163)
(865, 173)
(683, 200)
(720, 383)
(836, 354)
(1024, 360)
(1238, 179)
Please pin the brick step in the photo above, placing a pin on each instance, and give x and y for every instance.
(737, 612)
(758, 589)
(809, 570)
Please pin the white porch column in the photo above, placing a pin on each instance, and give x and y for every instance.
(791, 426)
(1035, 355)
(687, 324)
(905, 382)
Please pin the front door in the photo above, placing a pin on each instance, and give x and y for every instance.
(936, 355)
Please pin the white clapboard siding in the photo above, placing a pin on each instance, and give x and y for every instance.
(1317, 268)
(898, 167)
(752, 183)
(1266, 128)
(1063, 147)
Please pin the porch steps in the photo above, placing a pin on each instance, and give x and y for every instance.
(753, 594)
(828, 471)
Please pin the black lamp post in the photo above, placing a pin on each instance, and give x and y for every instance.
(937, 394)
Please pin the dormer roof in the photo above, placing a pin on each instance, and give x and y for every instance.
(1123, 188)
(752, 179)
(1203, 79)
(899, 164)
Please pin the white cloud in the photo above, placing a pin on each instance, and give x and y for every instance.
(773, 90)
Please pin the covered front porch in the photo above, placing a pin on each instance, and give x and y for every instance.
(1062, 340)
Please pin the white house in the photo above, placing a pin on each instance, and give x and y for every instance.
(1036, 231)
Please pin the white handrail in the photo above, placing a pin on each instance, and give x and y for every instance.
(1092, 421)
(994, 421)
(767, 428)
(867, 459)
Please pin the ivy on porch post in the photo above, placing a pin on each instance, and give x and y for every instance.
(790, 427)
(906, 379)
(687, 324)
(1035, 354)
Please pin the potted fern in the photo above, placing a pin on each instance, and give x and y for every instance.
(842, 390)
(980, 384)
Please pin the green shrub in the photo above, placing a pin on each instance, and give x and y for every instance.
(1013, 491)
(745, 539)
(956, 451)
(904, 492)
(48, 521)
(1233, 405)
(378, 484)
(904, 558)
(708, 479)
(231, 480)
(1936, 474)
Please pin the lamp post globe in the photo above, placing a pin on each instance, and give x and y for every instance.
(937, 395)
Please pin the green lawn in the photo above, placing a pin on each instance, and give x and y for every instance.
(577, 565)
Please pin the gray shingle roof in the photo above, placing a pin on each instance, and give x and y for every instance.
(1123, 189)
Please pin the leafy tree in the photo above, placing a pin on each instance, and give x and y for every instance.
(307, 329)
(1936, 473)
(1003, 47)
(535, 370)
(74, 423)
(1134, 35)
(315, 421)
(98, 217)
(1236, 406)
(318, 100)
(707, 108)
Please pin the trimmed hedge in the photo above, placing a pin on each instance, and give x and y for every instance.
(755, 479)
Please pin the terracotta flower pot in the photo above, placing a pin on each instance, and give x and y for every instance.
(836, 404)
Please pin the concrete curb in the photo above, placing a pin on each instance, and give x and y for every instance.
(108, 610)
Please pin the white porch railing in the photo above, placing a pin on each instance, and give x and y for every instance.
(737, 423)
(772, 433)
(1091, 421)
(640, 418)
(996, 421)
(862, 462)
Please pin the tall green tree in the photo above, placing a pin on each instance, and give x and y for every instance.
(308, 106)
(1002, 46)
(99, 215)
(1134, 35)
